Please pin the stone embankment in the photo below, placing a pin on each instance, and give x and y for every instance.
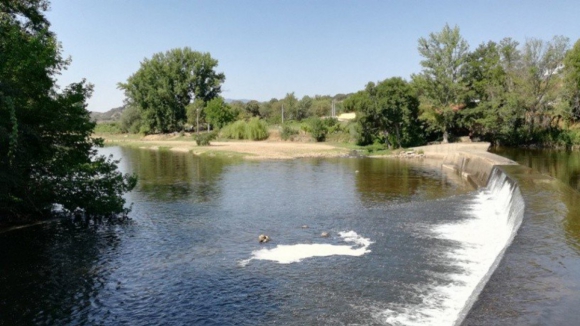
(470, 160)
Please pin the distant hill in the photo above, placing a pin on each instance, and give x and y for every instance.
(115, 114)
(109, 116)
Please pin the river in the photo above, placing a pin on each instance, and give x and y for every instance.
(538, 280)
(396, 251)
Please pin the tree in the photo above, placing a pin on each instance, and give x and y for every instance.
(572, 81)
(440, 83)
(195, 114)
(252, 109)
(290, 103)
(490, 112)
(387, 113)
(165, 84)
(321, 106)
(218, 113)
(539, 77)
(303, 107)
(130, 120)
(47, 155)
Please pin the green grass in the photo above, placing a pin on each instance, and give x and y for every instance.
(108, 128)
(366, 150)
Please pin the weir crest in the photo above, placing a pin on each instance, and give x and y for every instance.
(496, 215)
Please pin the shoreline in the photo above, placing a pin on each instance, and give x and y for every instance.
(251, 150)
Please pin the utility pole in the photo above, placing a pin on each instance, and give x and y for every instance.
(333, 110)
(197, 128)
(282, 113)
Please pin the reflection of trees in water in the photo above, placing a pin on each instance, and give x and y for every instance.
(572, 221)
(393, 179)
(52, 273)
(168, 176)
(562, 165)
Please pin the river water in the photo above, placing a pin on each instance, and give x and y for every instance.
(538, 280)
(406, 246)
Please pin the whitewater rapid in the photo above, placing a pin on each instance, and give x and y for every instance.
(287, 254)
(496, 214)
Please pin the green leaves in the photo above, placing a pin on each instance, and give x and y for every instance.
(442, 85)
(218, 113)
(168, 82)
(47, 155)
(387, 112)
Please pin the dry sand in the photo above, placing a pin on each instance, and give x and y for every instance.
(257, 150)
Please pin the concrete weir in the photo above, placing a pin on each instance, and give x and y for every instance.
(470, 160)
(497, 216)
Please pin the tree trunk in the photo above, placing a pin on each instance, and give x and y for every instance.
(387, 139)
(398, 134)
(445, 136)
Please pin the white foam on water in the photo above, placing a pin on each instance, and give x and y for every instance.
(496, 214)
(286, 254)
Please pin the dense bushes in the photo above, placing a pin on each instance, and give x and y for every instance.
(108, 128)
(255, 129)
(203, 139)
(318, 129)
(288, 132)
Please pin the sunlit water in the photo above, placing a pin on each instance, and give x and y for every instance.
(395, 254)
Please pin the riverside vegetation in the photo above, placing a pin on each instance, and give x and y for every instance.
(48, 160)
(503, 92)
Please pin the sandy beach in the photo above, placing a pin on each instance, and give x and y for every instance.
(253, 150)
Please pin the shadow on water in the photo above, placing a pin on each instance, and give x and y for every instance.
(196, 218)
(50, 273)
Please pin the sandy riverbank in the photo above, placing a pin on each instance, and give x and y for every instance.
(256, 150)
(274, 148)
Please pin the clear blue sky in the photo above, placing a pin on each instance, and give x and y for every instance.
(269, 48)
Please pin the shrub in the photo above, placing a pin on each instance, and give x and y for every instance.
(255, 129)
(236, 130)
(144, 129)
(108, 128)
(204, 138)
(288, 132)
(375, 147)
(317, 129)
(130, 120)
(330, 122)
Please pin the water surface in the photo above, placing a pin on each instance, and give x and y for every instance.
(537, 282)
(195, 219)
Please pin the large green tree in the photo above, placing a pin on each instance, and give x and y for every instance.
(47, 155)
(516, 94)
(441, 84)
(493, 110)
(539, 86)
(387, 112)
(165, 84)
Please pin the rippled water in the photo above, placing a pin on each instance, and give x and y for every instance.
(191, 254)
(195, 219)
(538, 281)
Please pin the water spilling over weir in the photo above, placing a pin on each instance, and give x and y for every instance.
(496, 213)
(420, 246)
